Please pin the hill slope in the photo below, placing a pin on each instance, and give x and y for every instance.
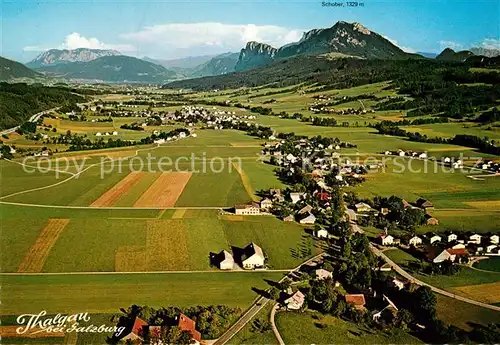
(19, 101)
(10, 69)
(218, 65)
(58, 56)
(119, 68)
(450, 55)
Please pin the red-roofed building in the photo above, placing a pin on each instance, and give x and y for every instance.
(137, 331)
(186, 324)
(358, 300)
(450, 254)
(322, 196)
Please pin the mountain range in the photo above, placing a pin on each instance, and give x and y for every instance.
(339, 41)
(119, 68)
(352, 39)
(58, 56)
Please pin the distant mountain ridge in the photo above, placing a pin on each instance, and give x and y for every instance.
(114, 69)
(10, 69)
(345, 38)
(181, 63)
(450, 55)
(58, 56)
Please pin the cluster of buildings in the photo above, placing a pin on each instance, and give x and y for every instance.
(362, 209)
(407, 153)
(490, 166)
(454, 246)
(140, 331)
(251, 257)
(99, 134)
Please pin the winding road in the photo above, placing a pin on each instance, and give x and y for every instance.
(408, 276)
(33, 118)
(256, 307)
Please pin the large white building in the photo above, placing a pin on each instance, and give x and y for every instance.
(252, 257)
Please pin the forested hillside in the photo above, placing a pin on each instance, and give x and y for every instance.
(10, 69)
(19, 101)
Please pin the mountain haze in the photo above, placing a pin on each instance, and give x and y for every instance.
(115, 69)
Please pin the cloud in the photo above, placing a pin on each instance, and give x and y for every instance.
(75, 40)
(406, 49)
(490, 43)
(451, 44)
(167, 38)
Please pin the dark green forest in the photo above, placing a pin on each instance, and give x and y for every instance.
(18, 102)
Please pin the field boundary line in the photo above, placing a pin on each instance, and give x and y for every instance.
(245, 181)
(138, 272)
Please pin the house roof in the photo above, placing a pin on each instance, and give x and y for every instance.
(245, 206)
(138, 326)
(424, 202)
(458, 251)
(305, 209)
(186, 324)
(297, 297)
(225, 256)
(356, 299)
(251, 250)
(322, 196)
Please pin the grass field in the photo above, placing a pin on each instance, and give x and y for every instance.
(107, 293)
(246, 336)
(491, 264)
(463, 314)
(113, 233)
(314, 328)
(466, 276)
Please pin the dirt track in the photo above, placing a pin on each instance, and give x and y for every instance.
(165, 191)
(114, 193)
(38, 253)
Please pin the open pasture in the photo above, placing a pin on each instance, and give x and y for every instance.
(487, 293)
(314, 328)
(38, 253)
(104, 293)
(449, 130)
(461, 314)
(165, 191)
(153, 242)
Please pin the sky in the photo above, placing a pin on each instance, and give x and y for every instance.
(165, 29)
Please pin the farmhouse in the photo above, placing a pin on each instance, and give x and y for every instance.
(413, 241)
(186, 324)
(266, 204)
(296, 197)
(450, 254)
(494, 239)
(246, 210)
(430, 220)
(362, 207)
(136, 332)
(434, 238)
(295, 301)
(450, 236)
(358, 300)
(306, 209)
(288, 218)
(474, 238)
(425, 204)
(310, 219)
(321, 233)
(390, 307)
(322, 274)
(252, 257)
(386, 240)
(225, 260)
